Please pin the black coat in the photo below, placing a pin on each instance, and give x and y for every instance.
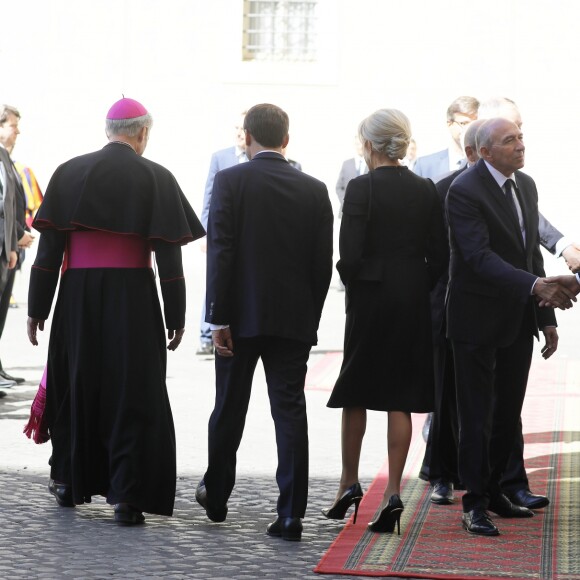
(392, 251)
(269, 256)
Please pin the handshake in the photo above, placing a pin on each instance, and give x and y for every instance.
(557, 291)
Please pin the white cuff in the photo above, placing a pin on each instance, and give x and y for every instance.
(561, 245)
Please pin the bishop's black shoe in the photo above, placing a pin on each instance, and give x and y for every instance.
(62, 493)
(128, 515)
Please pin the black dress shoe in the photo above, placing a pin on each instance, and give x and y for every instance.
(62, 493)
(213, 513)
(286, 528)
(477, 521)
(503, 507)
(525, 498)
(7, 377)
(442, 493)
(128, 515)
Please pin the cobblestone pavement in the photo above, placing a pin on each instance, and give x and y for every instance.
(42, 540)
(38, 539)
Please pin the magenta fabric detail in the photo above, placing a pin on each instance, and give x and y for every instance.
(97, 249)
(126, 109)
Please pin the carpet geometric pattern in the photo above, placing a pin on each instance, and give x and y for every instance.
(432, 542)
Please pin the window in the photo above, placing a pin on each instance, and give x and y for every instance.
(279, 30)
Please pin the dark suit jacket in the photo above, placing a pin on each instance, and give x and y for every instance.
(269, 252)
(491, 271)
(8, 207)
(440, 290)
(348, 171)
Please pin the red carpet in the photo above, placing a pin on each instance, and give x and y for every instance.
(433, 543)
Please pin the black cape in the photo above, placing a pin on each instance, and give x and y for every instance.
(116, 190)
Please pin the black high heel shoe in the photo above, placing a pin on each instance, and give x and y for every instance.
(389, 515)
(352, 495)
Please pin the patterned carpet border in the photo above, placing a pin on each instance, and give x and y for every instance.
(433, 544)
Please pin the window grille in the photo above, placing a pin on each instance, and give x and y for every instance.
(283, 30)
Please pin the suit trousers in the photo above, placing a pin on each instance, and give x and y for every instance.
(5, 295)
(515, 477)
(491, 385)
(285, 367)
(441, 452)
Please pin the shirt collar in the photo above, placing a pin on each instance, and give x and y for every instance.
(499, 177)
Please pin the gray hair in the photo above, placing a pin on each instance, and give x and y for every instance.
(6, 110)
(484, 136)
(494, 106)
(388, 131)
(469, 137)
(128, 127)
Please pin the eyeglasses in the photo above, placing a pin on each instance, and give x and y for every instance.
(462, 123)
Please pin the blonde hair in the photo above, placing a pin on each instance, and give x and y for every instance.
(388, 131)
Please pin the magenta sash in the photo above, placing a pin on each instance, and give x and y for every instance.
(97, 249)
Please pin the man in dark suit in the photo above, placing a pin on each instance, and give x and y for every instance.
(9, 131)
(269, 266)
(440, 461)
(350, 169)
(496, 270)
(8, 201)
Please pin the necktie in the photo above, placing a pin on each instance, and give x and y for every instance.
(509, 194)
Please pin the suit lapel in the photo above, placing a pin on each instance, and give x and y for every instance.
(498, 196)
(524, 196)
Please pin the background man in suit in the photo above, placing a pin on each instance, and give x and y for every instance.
(8, 197)
(460, 113)
(9, 132)
(350, 169)
(440, 461)
(268, 271)
(496, 268)
(221, 159)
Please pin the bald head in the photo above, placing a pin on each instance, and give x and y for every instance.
(500, 107)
